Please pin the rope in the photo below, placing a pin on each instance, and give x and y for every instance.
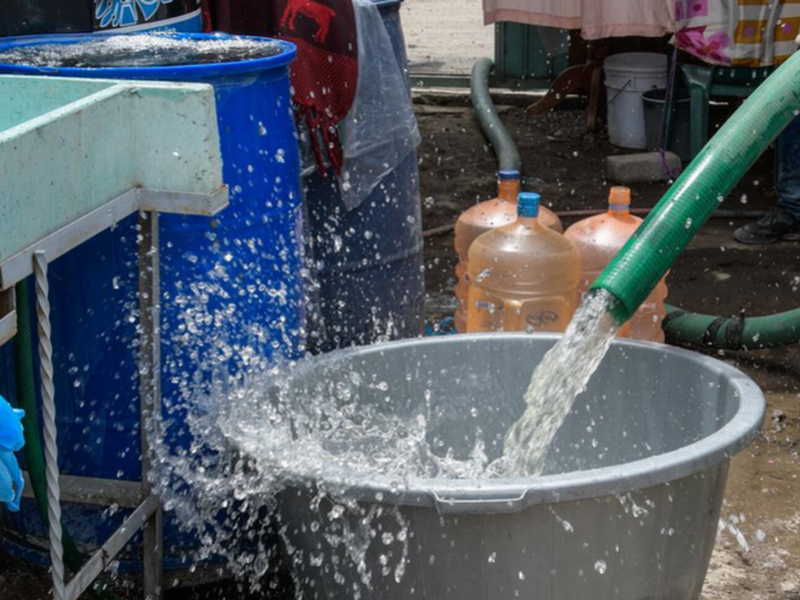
(49, 413)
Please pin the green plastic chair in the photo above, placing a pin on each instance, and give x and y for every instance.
(705, 82)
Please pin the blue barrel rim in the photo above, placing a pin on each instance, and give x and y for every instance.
(178, 72)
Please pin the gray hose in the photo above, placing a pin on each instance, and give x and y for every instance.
(504, 147)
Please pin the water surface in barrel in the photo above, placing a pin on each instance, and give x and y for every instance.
(140, 50)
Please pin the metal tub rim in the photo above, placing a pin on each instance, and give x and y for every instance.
(495, 496)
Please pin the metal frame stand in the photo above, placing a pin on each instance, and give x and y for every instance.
(147, 515)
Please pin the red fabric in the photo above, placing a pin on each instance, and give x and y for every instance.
(325, 74)
(208, 21)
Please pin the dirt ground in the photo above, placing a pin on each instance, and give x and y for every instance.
(716, 275)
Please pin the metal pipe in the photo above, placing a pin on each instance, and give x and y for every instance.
(150, 393)
(107, 553)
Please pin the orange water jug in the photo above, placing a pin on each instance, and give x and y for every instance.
(523, 276)
(599, 239)
(484, 217)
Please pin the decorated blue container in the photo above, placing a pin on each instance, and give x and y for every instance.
(231, 287)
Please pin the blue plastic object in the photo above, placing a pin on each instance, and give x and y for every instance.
(11, 441)
(528, 205)
(369, 260)
(243, 266)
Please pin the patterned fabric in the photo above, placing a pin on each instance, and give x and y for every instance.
(127, 14)
(595, 18)
(738, 33)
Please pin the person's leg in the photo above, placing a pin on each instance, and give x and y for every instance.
(784, 222)
(789, 168)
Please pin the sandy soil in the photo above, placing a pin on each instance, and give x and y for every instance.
(445, 36)
(716, 275)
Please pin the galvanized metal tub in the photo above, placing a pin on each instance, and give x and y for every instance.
(627, 508)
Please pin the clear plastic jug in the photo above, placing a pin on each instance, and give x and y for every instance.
(484, 217)
(599, 239)
(523, 276)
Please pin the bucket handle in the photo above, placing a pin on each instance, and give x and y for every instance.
(514, 502)
(622, 89)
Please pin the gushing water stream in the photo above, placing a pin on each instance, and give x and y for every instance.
(558, 379)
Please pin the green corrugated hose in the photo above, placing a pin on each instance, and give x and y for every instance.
(493, 128)
(731, 333)
(650, 252)
(34, 457)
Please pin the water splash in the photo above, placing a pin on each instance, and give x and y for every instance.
(269, 434)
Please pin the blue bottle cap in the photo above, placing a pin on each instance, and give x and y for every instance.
(507, 174)
(528, 205)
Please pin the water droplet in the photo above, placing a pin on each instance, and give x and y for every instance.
(601, 567)
(483, 274)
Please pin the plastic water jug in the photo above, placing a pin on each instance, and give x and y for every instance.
(523, 276)
(484, 217)
(599, 239)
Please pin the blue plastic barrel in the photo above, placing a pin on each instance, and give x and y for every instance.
(369, 260)
(243, 266)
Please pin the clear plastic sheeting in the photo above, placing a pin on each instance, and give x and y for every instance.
(381, 129)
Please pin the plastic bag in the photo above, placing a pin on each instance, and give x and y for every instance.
(11, 440)
(380, 130)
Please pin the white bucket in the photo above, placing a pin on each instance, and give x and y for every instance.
(628, 76)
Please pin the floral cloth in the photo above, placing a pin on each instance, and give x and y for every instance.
(738, 33)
